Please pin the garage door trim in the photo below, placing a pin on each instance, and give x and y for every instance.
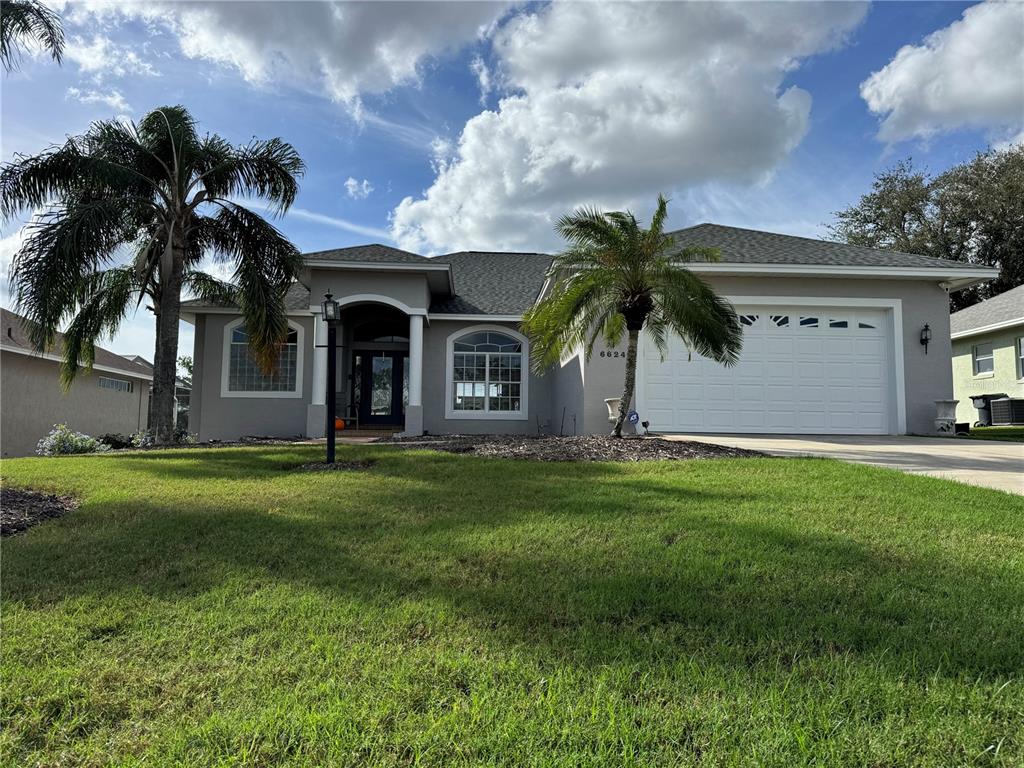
(893, 306)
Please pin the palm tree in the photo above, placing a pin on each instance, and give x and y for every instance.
(163, 193)
(24, 21)
(618, 277)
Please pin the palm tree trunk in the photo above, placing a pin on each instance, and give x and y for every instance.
(627, 389)
(166, 357)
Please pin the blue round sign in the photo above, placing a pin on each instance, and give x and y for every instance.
(633, 417)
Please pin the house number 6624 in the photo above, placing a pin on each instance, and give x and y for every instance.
(612, 353)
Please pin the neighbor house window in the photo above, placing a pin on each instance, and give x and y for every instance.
(243, 376)
(1020, 357)
(118, 385)
(983, 360)
(486, 375)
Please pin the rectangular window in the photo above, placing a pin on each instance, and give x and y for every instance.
(244, 374)
(487, 381)
(118, 385)
(1020, 357)
(983, 359)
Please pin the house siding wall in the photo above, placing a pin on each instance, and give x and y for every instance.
(33, 401)
(410, 289)
(228, 418)
(1004, 375)
(927, 377)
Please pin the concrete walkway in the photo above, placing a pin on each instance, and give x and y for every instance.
(979, 462)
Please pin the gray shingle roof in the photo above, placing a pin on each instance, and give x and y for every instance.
(493, 283)
(296, 298)
(13, 325)
(749, 246)
(372, 253)
(1004, 308)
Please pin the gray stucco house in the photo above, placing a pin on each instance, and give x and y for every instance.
(831, 346)
(113, 397)
(988, 350)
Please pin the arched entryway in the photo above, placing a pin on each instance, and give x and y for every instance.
(379, 367)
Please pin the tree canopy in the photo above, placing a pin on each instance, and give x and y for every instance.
(973, 212)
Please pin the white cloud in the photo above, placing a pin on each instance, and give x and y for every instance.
(970, 73)
(101, 57)
(113, 99)
(346, 49)
(610, 104)
(358, 190)
(9, 246)
(483, 78)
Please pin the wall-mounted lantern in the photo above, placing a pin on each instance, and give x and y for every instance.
(926, 337)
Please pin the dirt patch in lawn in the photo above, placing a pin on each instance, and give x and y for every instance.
(593, 448)
(20, 510)
(338, 466)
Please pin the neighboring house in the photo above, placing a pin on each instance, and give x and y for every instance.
(832, 345)
(988, 350)
(113, 397)
(182, 392)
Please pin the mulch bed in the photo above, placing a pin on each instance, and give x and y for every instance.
(338, 466)
(592, 448)
(20, 510)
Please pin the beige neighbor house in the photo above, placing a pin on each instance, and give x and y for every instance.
(113, 397)
(988, 352)
(832, 345)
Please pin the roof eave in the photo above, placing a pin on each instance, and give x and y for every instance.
(1002, 325)
(953, 279)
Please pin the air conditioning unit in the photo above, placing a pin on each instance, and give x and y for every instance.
(1007, 411)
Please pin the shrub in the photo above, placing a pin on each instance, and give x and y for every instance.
(144, 438)
(63, 441)
(116, 440)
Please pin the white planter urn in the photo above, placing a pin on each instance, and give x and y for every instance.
(945, 417)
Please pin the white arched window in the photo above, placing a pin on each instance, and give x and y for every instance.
(241, 375)
(487, 376)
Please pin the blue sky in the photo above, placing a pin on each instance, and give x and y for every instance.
(447, 126)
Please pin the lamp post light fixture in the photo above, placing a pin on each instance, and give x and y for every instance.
(926, 337)
(329, 311)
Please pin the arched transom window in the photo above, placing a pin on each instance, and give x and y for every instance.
(487, 374)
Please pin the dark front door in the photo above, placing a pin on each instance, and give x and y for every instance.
(380, 386)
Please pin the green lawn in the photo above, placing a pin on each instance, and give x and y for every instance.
(1012, 434)
(214, 607)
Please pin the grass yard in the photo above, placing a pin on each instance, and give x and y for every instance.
(215, 607)
(1011, 434)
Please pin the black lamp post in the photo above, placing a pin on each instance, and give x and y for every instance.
(926, 336)
(329, 309)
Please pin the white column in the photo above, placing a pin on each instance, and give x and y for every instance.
(319, 360)
(415, 360)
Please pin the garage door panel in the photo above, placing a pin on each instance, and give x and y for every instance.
(802, 369)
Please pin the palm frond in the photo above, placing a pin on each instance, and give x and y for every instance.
(266, 263)
(28, 21)
(104, 300)
(64, 247)
(265, 169)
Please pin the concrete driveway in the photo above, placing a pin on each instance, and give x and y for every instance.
(979, 462)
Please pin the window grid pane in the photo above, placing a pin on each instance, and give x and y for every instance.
(244, 374)
(489, 378)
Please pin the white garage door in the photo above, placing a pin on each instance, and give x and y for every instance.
(810, 370)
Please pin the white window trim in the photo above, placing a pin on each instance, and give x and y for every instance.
(1019, 352)
(226, 361)
(893, 306)
(449, 373)
(118, 389)
(974, 361)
